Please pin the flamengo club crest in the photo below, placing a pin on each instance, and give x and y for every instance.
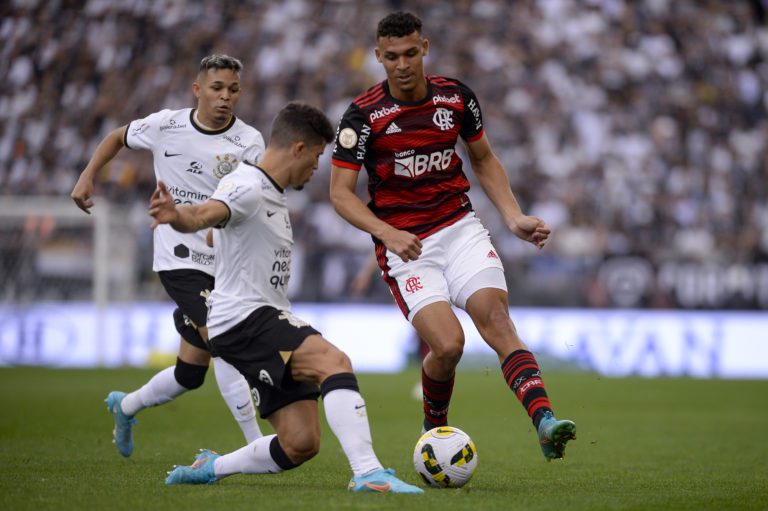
(413, 284)
(443, 119)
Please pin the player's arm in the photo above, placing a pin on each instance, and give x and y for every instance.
(186, 217)
(105, 151)
(493, 178)
(347, 204)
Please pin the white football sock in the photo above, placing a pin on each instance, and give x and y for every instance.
(254, 458)
(162, 388)
(348, 419)
(237, 394)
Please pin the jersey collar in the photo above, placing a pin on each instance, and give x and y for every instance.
(410, 103)
(210, 132)
(279, 188)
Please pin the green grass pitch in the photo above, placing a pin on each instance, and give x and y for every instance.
(676, 444)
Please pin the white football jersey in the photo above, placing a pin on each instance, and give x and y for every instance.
(190, 160)
(253, 249)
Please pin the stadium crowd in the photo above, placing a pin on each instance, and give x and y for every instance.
(636, 129)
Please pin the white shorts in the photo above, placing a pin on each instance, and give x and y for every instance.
(454, 263)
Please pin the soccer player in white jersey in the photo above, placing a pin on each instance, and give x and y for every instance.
(192, 149)
(286, 361)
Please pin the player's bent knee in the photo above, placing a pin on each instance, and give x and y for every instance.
(189, 376)
(333, 357)
(498, 322)
(318, 365)
(301, 446)
(449, 354)
(341, 362)
(333, 362)
(499, 316)
(498, 330)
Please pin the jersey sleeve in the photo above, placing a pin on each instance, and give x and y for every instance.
(255, 149)
(243, 198)
(352, 136)
(144, 133)
(472, 123)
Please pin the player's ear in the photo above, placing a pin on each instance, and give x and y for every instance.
(196, 89)
(377, 53)
(425, 47)
(298, 148)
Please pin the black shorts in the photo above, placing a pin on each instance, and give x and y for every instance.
(260, 348)
(190, 290)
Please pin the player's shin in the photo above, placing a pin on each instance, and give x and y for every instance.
(347, 416)
(522, 374)
(162, 388)
(436, 399)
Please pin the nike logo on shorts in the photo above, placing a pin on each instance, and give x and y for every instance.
(168, 155)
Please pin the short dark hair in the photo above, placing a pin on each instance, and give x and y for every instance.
(220, 61)
(300, 122)
(398, 24)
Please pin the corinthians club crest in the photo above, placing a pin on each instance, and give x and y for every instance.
(225, 164)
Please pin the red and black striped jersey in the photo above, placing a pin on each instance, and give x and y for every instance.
(408, 149)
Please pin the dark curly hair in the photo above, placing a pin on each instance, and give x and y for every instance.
(398, 24)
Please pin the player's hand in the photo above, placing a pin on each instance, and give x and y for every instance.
(82, 193)
(533, 230)
(162, 207)
(406, 245)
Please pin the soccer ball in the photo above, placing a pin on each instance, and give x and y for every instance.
(445, 457)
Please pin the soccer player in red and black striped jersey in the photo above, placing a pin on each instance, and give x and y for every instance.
(432, 249)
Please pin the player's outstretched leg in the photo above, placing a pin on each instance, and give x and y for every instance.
(122, 434)
(345, 411)
(381, 481)
(200, 472)
(554, 434)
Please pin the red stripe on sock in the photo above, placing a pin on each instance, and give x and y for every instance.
(541, 402)
(513, 365)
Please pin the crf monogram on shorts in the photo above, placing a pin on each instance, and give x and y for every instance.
(413, 284)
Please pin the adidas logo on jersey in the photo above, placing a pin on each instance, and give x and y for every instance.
(392, 129)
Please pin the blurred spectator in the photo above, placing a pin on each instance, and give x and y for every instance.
(646, 119)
